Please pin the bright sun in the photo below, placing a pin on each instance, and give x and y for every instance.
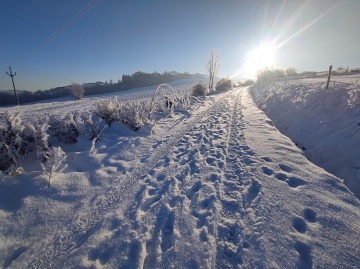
(259, 58)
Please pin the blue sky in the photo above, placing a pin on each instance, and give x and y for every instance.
(54, 43)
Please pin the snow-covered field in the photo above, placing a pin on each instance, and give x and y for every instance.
(216, 187)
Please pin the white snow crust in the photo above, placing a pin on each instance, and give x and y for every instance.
(216, 187)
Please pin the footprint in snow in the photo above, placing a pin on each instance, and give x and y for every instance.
(267, 170)
(305, 257)
(160, 177)
(281, 176)
(167, 240)
(310, 215)
(285, 168)
(295, 182)
(299, 225)
(210, 161)
(194, 189)
(266, 159)
(213, 177)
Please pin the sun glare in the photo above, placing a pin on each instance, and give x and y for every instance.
(259, 58)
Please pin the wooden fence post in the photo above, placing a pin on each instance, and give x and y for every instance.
(329, 76)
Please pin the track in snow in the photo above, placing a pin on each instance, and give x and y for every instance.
(197, 206)
(78, 232)
(239, 195)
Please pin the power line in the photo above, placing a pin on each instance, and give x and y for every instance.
(72, 20)
(121, 7)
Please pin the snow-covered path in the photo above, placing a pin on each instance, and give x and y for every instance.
(221, 188)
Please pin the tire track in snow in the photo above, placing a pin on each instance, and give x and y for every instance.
(78, 232)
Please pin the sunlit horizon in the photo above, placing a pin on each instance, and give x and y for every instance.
(55, 44)
(266, 53)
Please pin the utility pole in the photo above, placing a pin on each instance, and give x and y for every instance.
(12, 78)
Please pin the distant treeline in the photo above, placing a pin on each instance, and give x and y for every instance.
(138, 79)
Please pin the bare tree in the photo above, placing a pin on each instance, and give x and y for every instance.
(212, 66)
(77, 90)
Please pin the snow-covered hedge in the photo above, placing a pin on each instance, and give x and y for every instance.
(137, 113)
(40, 138)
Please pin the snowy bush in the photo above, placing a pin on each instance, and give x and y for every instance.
(162, 99)
(224, 84)
(92, 126)
(135, 114)
(166, 103)
(19, 141)
(354, 95)
(267, 76)
(199, 89)
(182, 100)
(248, 82)
(11, 145)
(36, 137)
(291, 71)
(109, 110)
(65, 129)
(54, 163)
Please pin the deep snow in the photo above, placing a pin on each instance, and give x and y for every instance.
(324, 123)
(216, 187)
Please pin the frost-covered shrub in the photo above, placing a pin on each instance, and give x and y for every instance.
(199, 89)
(267, 76)
(163, 99)
(165, 103)
(291, 71)
(109, 110)
(19, 140)
(182, 100)
(224, 84)
(35, 137)
(92, 126)
(354, 95)
(11, 144)
(248, 82)
(135, 114)
(54, 163)
(65, 129)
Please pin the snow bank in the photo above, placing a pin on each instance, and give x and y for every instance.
(323, 123)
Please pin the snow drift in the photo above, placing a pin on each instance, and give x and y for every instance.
(324, 123)
(215, 186)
